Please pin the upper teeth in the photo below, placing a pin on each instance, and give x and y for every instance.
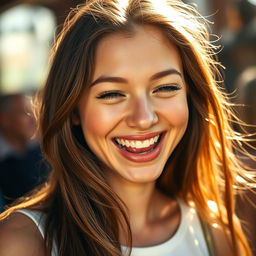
(138, 143)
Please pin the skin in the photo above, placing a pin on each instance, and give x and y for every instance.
(137, 107)
(20, 236)
(141, 109)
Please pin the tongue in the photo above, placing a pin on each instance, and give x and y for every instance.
(139, 150)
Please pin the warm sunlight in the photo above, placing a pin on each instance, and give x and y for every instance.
(122, 5)
(213, 206)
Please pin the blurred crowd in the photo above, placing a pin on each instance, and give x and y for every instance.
(22, 167)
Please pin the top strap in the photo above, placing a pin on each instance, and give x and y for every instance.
(208, 237)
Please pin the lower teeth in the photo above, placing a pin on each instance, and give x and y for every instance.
(139, 153)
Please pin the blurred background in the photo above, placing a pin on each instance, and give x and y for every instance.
(28, 27)
(27, 31)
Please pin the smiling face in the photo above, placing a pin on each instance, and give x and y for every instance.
(135, 112)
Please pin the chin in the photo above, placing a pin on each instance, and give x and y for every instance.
(143, 176)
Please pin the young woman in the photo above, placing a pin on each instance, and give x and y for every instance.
(138, 135)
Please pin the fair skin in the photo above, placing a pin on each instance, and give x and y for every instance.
(141, 100)
(19, 237)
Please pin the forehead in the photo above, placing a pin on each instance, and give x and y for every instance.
(147, 48)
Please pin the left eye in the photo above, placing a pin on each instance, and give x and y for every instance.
(166, 88)
(110, 95)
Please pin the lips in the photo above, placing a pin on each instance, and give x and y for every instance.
(140, 148)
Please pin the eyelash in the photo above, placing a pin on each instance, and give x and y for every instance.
(116, 94)
(110, 95)
(167, 88)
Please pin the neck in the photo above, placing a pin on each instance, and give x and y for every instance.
(153, 217)
(138, 199)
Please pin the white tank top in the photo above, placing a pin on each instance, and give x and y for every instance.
(187, 240)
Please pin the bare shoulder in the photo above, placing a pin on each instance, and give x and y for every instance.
(222, 240)
(19, 236)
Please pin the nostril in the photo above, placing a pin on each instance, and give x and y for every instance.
(142, 121)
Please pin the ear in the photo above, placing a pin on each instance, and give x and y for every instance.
(75, 118)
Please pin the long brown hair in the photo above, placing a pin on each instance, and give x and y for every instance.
(83, 212)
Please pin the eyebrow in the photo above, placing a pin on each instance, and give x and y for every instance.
(114, 79)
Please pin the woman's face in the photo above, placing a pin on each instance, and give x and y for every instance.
(135, 112)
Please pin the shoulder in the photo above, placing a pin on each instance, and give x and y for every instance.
(19, 236)
(222, 239)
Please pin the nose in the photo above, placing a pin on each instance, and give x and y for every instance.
(142, 115)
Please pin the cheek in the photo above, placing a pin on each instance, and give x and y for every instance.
(99, 120)
(181, 113)
(176, 111)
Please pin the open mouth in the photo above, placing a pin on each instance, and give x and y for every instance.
(140, 148)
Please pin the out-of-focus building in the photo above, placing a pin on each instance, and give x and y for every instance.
(26, 34)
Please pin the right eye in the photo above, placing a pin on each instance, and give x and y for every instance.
(109, 95)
